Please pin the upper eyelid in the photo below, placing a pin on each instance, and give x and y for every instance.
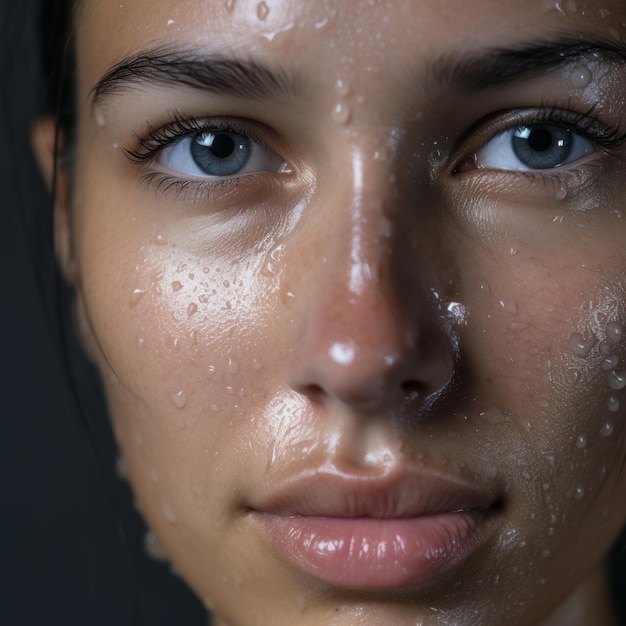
(154, 139)
(587, 124)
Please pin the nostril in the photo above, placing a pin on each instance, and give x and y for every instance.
(413, 389)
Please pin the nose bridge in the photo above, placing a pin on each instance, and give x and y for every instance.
(363, 325)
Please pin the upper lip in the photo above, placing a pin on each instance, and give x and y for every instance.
(401, 493)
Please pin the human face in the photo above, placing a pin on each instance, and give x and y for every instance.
(353, 274)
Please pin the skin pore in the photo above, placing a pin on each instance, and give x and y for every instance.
(382, 295)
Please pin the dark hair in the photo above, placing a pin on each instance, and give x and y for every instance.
(66, 565)
(64, 562)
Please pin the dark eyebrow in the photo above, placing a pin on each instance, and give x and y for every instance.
(243, 78)
(500, 66)
(249, 79)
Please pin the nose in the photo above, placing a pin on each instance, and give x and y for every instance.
(370, 334)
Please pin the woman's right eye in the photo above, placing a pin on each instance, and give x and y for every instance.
(218, 154)
(533, 147)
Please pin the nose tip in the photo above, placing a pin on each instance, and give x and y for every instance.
(372, 370)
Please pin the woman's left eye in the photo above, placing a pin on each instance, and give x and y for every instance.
(218, 153)
(533, 147)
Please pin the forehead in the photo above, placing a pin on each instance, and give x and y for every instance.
(361, 36)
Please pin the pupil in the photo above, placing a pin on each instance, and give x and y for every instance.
(222, 146)
(540, 139)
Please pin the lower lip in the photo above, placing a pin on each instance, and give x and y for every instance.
(367, 553)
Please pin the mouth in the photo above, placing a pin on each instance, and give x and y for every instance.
(402, 530)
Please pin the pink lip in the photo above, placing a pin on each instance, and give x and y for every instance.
(400, 530)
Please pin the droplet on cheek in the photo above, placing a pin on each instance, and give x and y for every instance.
(614, 331)
(579, 346)
(581, 441)
(340, 113)
(606, 430)
(342, 88)
(168, 513)
(609, 363)
(177, 286)
(580, 77)
(179, 399)
(579, 492)
(229, 5)
(192, 309)
(616, 380)
(153, 548)
(614, 404)
(233, 366)
(141, 342)
(137, 295)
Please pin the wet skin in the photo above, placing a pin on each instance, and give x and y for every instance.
(383, 294)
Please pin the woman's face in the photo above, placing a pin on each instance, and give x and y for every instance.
(353, 274)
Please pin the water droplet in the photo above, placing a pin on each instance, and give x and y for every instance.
(170, 22)
(457, 312)
(342, 353)
(160, 240)
(141, 342)
(226, 284)
(153, 548)
(262, 11)
(579, 346)
(581, 441)
(179, 399)
(229, 5)
(257, 365)
(177, 285)
(168, 514)
(192, 309)
(616, 380)
(561, 193)
(232, 367)
(494, 415)
(99, 115)
(136, 295)
(340, 113)
(606, 430)
(579, 492)
(609, 363)
(580, 77)
(614, 404)
(342, 88)
(614, 331)
(121, 467)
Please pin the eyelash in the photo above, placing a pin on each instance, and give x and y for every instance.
(180, 125)
(155, 139)
(587, 125)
